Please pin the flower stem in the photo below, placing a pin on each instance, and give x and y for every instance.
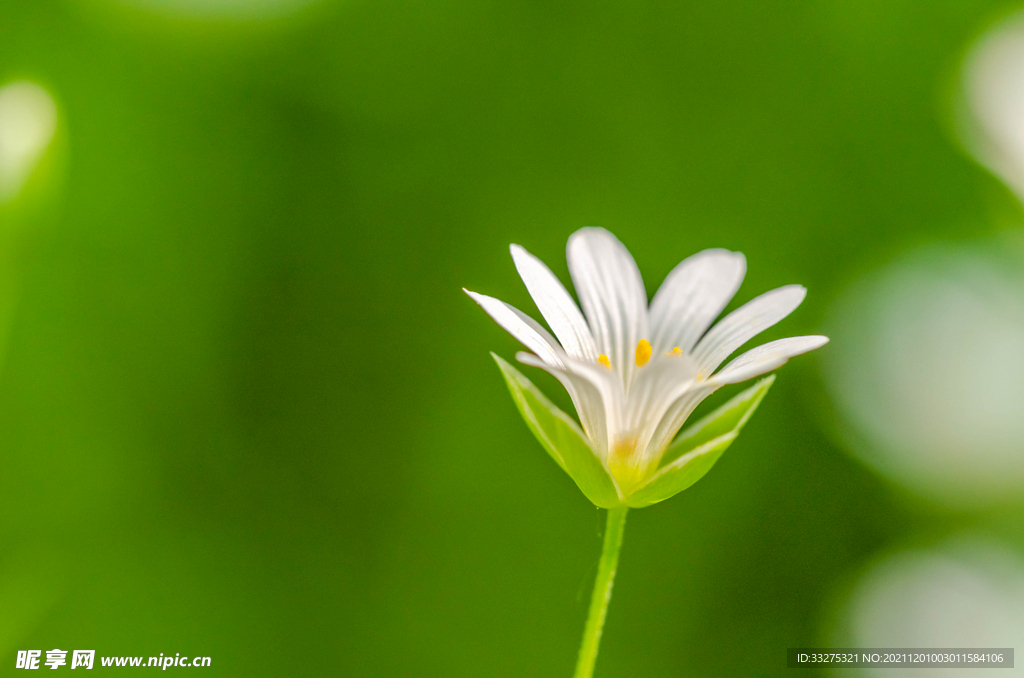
(602, 592)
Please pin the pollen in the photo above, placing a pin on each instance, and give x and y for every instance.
(643, 352)
(603, 359)
(675, 351)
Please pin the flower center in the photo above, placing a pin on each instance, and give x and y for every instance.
(675, 351)
(643, 352)
(603, 359)
(624, 463)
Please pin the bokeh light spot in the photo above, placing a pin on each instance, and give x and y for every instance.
(966, 593)
(993, 82)
(28, 120)
(927, 368)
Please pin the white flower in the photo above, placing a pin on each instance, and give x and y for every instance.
(635, 372)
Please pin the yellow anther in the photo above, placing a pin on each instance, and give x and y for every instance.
(643, 352)
(603, 359)
(675, 351)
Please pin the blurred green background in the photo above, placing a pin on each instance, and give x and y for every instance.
(247, 412)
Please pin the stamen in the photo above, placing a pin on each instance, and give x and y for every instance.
(675, 351)
(603, 359)
(643, 352)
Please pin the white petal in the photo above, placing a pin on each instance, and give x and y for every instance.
(744, 323)
(521, 326)
(611, 291)
(555, 304)
(692, 296)
(675, 416)
(596, 393)
(766, 357)
(654, 388)
(752, 363)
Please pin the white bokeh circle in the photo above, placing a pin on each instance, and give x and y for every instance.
(966, 593)
(993, 87)
(28, 121)
(926, 370)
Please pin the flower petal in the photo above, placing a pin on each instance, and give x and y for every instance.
(692, 296)
(555, 304)
(730, 416)
(744, 323)
(675, 415)
(697, 450)
(766, 357)
(612, 294)
(658, 384)
(655, 388)
(562, 439)
(595, 392)
(521, 326)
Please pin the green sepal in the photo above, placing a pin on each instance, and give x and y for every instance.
(562, 438)
(694, 452)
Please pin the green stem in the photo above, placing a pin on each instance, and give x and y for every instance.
(602, 592)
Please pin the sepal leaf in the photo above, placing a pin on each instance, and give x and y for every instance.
(562, 438)
(693, 454)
